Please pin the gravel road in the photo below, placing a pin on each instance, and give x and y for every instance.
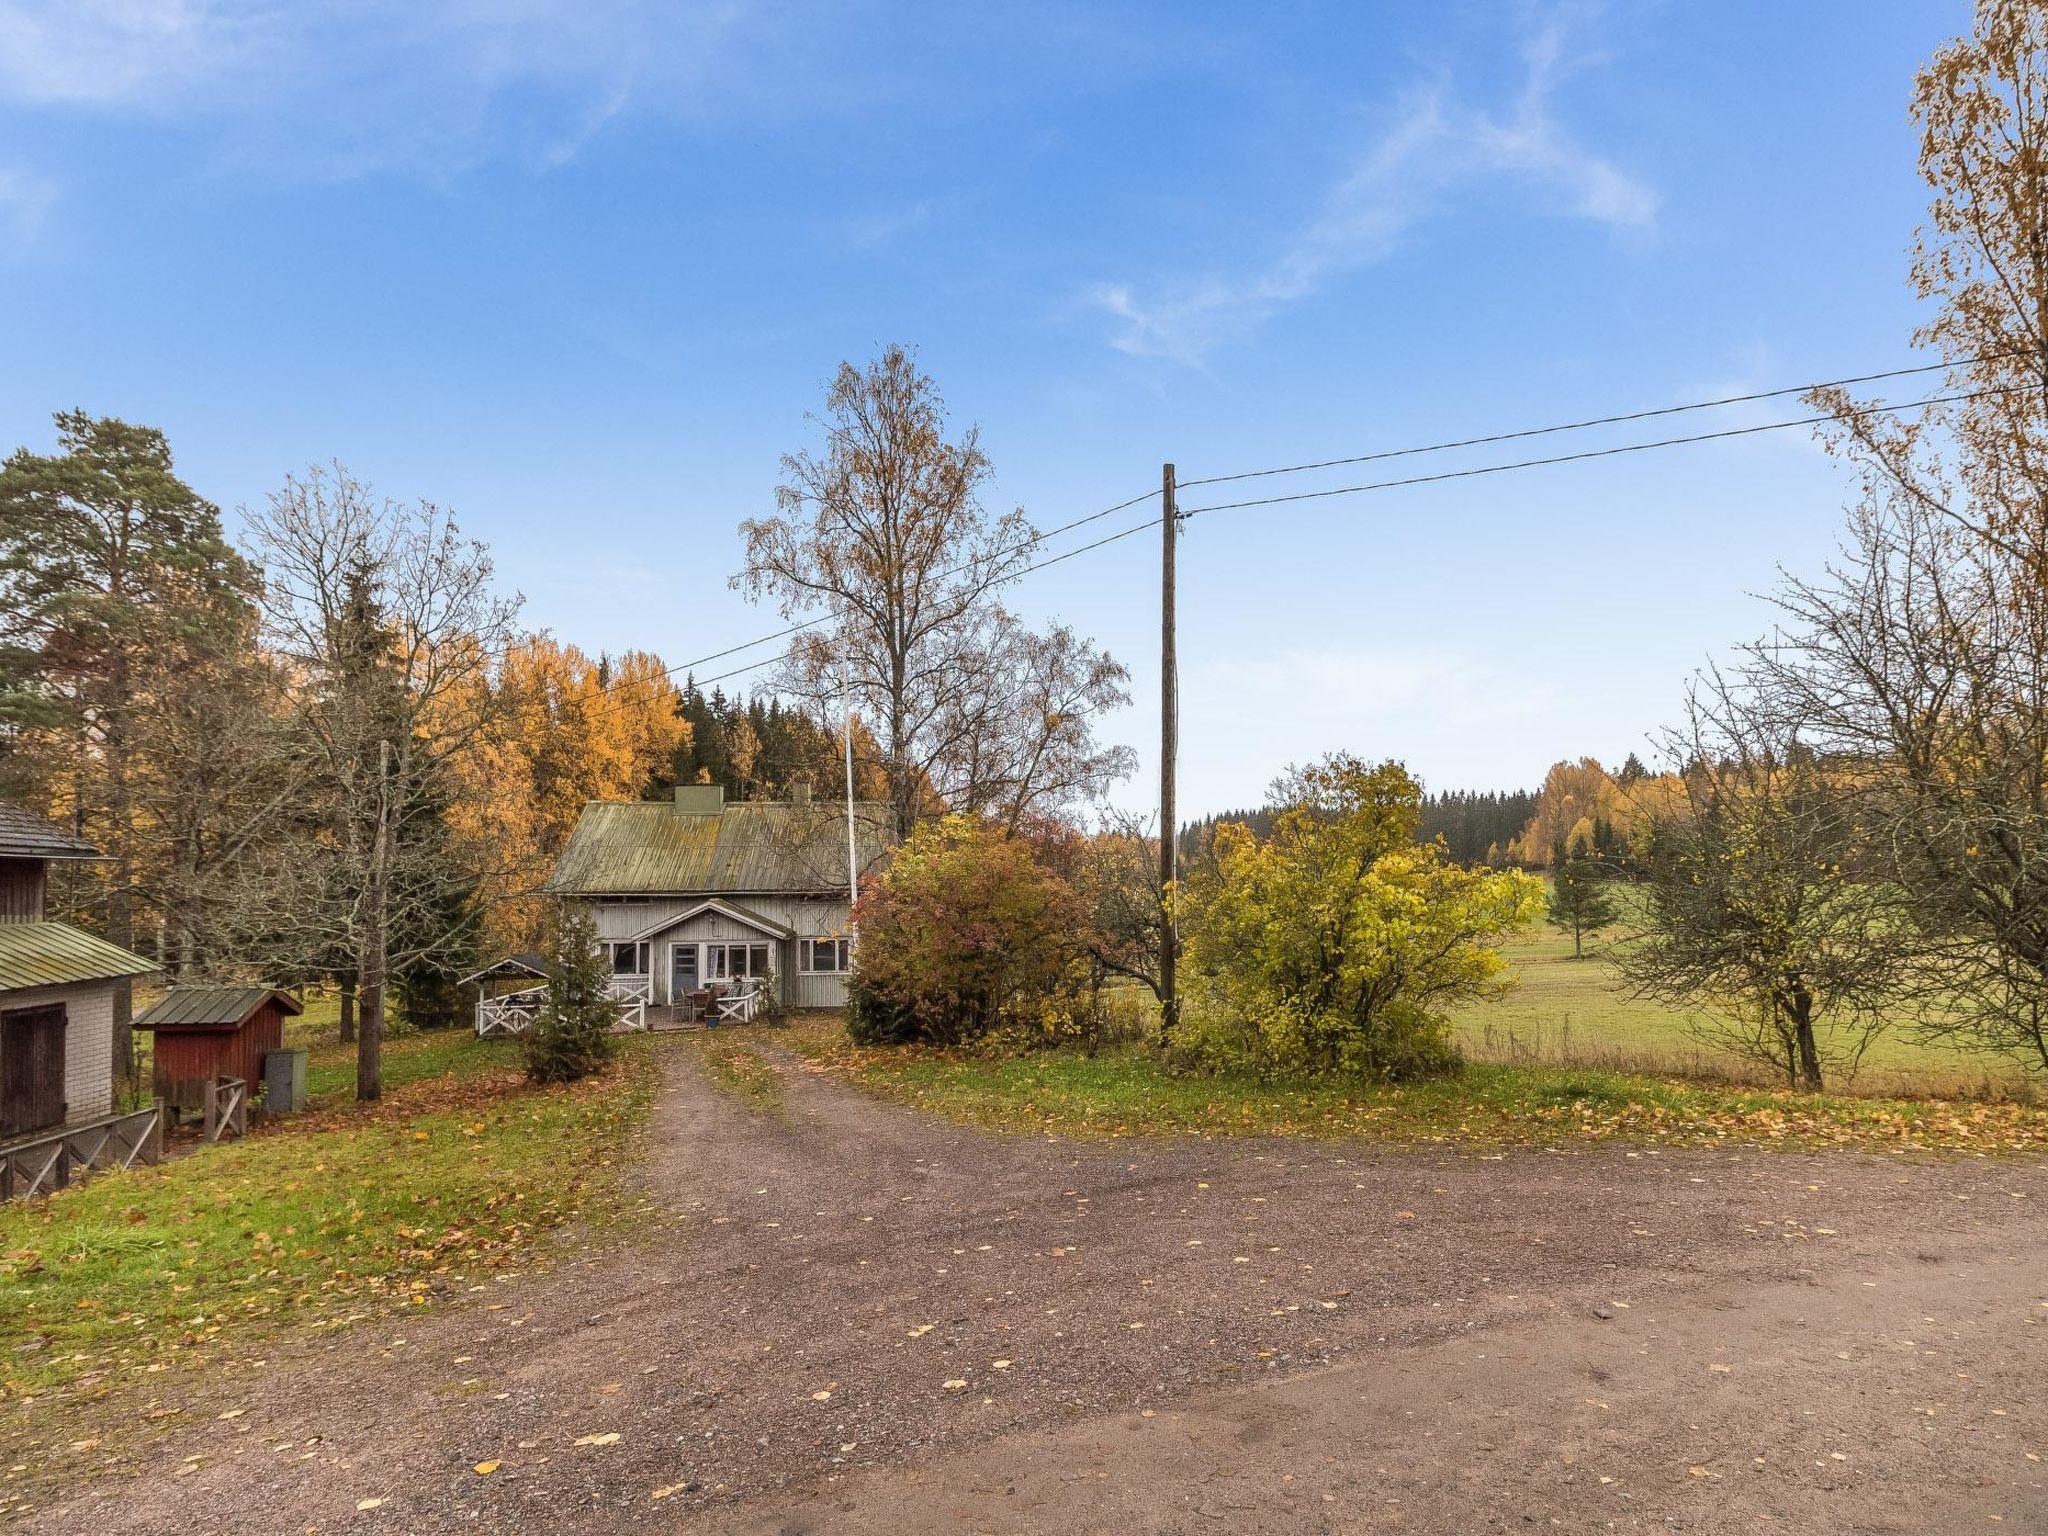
(849, 1317)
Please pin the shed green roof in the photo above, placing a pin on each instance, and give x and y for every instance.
(44, 953)
(212, 1005)
(757, 847)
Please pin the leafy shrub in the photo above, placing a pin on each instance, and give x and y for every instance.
(572, 1036)
(1338, 944)
(964, 934)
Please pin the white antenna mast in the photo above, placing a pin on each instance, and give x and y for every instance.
(852, 858)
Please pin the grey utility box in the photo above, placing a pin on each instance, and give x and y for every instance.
(284, 1080)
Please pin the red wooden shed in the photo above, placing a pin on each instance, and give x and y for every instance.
(207, 1032)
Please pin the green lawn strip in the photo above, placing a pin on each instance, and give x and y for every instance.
(732, 1064)
(325, 1220)
(1133, 1093)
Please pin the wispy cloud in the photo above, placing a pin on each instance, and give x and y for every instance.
(1371, 686)
(1435, 150)
(337, 87)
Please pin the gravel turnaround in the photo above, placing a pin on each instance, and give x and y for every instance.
(851, 1317)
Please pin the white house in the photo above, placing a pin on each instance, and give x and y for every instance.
(692, 890)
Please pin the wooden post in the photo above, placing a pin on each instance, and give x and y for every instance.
(1169, 752)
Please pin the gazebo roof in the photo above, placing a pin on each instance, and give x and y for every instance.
(526, 963)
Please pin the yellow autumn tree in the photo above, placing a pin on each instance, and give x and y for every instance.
(574, 730)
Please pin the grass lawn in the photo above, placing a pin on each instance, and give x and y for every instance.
(1131, 1092)
(324, 1219)
(1577, 1012)
(731, 1063)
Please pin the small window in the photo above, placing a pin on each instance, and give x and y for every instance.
(825, 957)
(628, 959)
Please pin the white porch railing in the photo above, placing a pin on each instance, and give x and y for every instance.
(626, 986)
(511, 1014)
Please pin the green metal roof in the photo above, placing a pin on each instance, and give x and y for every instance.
(50, 954)
(758, 846)
(212, 1005)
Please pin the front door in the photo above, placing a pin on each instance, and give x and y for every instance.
(682, 971)
(31, 1069)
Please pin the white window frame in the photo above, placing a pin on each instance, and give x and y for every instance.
(840, 947)
(717, 961)
(640, 956)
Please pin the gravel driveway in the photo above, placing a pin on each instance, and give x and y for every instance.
(850, 1317)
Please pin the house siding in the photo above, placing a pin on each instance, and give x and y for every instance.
(88, 1042)
(808, 916)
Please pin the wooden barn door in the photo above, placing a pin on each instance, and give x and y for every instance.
(31, 1069)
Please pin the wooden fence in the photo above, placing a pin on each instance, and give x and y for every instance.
(51, 1162)
(227, 1108)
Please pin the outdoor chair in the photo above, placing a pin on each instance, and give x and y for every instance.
(739, 1003)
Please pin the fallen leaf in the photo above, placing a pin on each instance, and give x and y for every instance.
(609, 1438)
(368, 1504)
(485, 1468)
(955, 1385)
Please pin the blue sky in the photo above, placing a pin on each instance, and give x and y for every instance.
(579, 268)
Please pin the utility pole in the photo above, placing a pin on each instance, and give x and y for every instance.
(852, 857)
(1169, 753)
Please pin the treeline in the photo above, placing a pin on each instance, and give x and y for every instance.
(1476, 826)
(333, 753)
(763, 749)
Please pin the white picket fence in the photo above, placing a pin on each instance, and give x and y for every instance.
(513, 1014)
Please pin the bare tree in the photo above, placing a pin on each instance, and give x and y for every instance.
(1921, 656)
(388, 617)
(883, 535)
(1023, 741)
(1752, 906)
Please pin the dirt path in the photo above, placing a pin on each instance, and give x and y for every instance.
(855, 1317)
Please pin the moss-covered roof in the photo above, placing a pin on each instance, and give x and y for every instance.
(755, 846)
(44, 953)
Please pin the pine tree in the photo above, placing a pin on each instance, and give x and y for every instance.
(572, 1036)
(1581, 899)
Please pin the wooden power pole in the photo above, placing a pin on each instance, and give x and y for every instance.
(1169, 752)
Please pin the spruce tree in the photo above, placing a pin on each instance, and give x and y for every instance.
(572, 1036)
(1581, 900)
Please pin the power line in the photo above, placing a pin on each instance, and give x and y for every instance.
(1491, 469)
(1599, 421)
(1079, 549)
(1594, 453)
(809, 624)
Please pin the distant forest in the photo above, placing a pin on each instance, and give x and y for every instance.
(1477, 826)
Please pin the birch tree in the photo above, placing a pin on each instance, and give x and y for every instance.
(883, 537)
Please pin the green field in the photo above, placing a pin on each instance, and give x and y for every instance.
(1577, 1012)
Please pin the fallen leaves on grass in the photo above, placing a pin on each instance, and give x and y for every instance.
(1136, 1093)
